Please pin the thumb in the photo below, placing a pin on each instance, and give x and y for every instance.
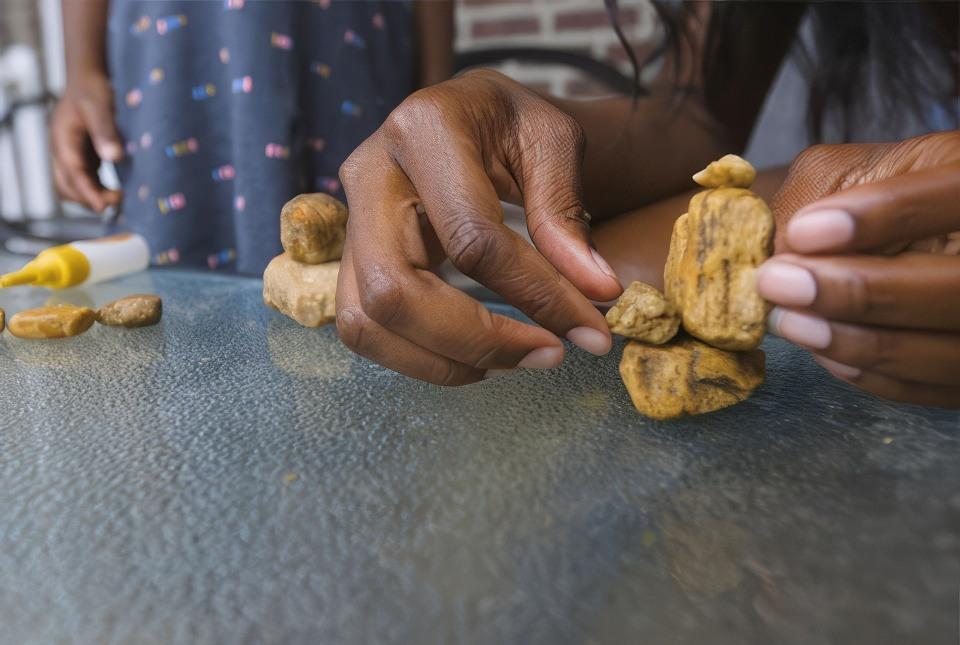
(103, 130)
(878, 215)
(557, 222)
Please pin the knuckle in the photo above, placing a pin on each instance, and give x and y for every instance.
(445, 373)
(871, 348)
(540, 303)
(884, 347)
(382, 297)
(419, 110)
(855, 295)
(493, 336)
(352, 324)
(350, 169)
(568, 129)
(475, 245)
(813, 157)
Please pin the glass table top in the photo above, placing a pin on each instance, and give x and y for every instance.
(228, 476)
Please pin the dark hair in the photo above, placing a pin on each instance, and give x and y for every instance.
(899, 57)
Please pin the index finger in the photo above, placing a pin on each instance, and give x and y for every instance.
(463, 207)
(399, 292)
(872, 216)
(912, 290)
(76, 171)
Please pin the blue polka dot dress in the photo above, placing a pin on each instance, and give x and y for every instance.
(228, 108)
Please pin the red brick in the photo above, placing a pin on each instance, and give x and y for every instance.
(507, 27)
(617, 55)
(573, 20)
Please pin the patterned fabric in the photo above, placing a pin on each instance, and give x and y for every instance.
(230, 107)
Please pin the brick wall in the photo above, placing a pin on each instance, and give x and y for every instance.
(574, 25)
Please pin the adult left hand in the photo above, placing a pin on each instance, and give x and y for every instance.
(867, 270)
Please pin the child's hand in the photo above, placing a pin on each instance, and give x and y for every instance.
(871, 274)
(83, 133)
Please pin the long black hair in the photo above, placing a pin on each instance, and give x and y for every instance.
(891, 60)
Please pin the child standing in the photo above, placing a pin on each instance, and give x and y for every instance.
(225, 109)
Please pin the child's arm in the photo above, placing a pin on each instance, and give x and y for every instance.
(83, 129)
(434, 34)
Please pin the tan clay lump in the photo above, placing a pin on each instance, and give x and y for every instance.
(304, 292)
(688, 377)
(60, 321)
(709, 286)
(302, 283)
(729, 170)
(313, 228)
(131, 311)
(710, 273)
(642, 313)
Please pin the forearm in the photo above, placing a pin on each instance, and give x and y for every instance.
(85, 25)
(434, 34)
(637, 154)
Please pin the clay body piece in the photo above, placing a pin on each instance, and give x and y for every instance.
(688, 377)
(710, 274)
(304, 292)
(716, 247)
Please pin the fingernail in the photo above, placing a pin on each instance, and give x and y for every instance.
(604, 266)
(786, 284)
(109, 151)
(544, 358)
(590, 339)
(496, 373)
(802, 329)
(820, 230)
(839, 370)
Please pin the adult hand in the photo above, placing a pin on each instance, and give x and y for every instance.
(868, 265)
(83, 133)
(427, 186)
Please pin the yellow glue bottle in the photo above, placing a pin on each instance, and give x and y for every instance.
(85, 262)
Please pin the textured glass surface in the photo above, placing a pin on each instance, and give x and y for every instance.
(229, 477)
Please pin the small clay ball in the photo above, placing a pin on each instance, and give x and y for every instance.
(132, 311)
(313, 228)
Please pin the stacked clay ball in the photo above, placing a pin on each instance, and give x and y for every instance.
(710, 292)
(301, 283)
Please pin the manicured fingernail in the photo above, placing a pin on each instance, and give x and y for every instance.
(839, 370)
(820, 230)
(604, 266)
(786, 284)
(544, 358)
(496, 373)
(590, 339)
(802, 329)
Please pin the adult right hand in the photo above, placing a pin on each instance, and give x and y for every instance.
(83, 133)
(427, 186)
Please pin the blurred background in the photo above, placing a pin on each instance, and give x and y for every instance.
(565, 47)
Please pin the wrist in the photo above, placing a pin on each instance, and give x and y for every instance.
(83, 73)
(87, 83)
